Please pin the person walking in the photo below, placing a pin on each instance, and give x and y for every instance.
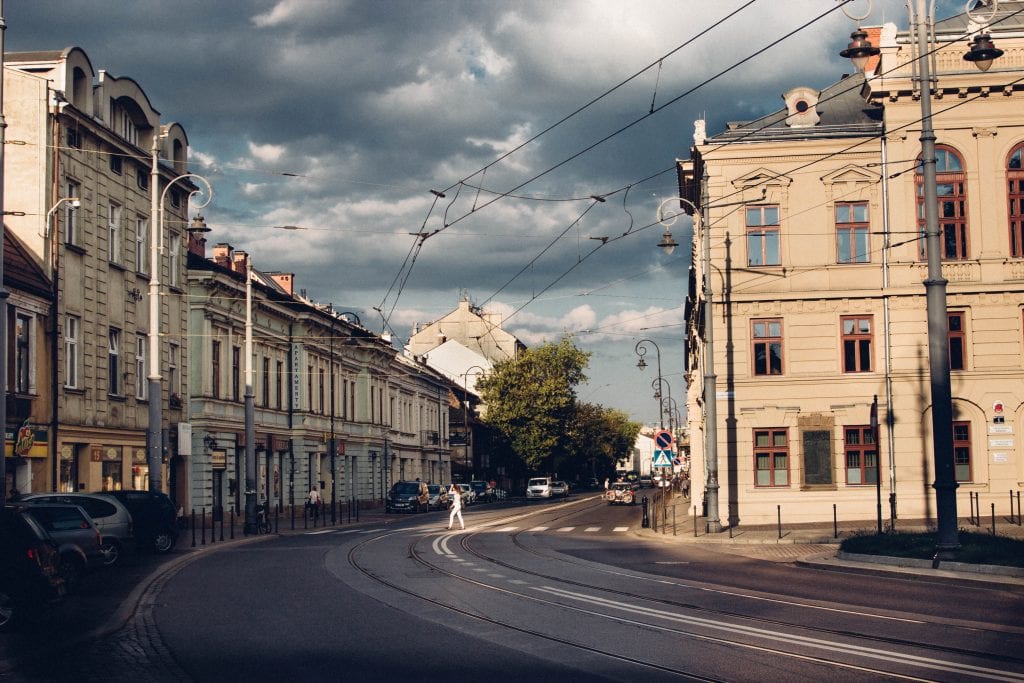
(606, 483)
(455, 496)
(313, 503)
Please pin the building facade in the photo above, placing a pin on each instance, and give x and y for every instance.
(817, 264)
(88, 154)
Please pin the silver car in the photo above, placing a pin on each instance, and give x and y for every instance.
(112, 518)
(78, 539)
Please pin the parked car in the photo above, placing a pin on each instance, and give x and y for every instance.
(620, 493)
(646, 481)
(153, 515)
(559, 488)
(468, 494)
(408, 496)
(438, 497)
(482, 490)
(78, 539)
(592, 483)
(538, 487)
(113, 519)
(29, 567)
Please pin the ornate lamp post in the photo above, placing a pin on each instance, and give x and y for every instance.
(641, 350)
(982, 53)
(465, 410)
(154, 438)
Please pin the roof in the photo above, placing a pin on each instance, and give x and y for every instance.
(21, 271)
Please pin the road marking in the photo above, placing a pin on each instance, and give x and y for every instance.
(508, 529)
(592, 529)
(567, 528)
(321, 531)
(539, 528)
(621, 528)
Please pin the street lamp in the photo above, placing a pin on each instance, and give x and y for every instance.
(656, 384)
(154, 440)
(465, 410)
(641, 350)
(982, 53)
(250, 409)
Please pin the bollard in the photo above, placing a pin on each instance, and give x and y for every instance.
(222, 523)
(213, 525)
(835, 522)
(1011, 506)
(779, 509)
(645, 521)
(193, 527)
(232, 521)
(695, 521)
(993, 519)
(203, 517)
(1019, 523)
(673, 520)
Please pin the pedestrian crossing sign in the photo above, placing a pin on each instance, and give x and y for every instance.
(662, 458)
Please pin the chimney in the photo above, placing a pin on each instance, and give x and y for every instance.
(238, 261)
(222, 254)
(285, 281)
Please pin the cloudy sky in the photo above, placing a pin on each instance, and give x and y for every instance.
(340, 117)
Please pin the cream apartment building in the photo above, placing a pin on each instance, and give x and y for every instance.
(78, 133)
(817, 269)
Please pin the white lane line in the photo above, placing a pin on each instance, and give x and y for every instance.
(789, 639)
(621, 528)
(566, 529)
(508, 529)
(519, 582)
(321, 532)
(539, 528)
(592, 529)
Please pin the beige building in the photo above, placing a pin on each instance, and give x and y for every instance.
(78, 133)
(817, 266)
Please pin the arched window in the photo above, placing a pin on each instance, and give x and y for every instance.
(1015, 200)
(951, 196)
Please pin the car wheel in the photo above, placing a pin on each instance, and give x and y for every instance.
(111, 553)
(163, 542)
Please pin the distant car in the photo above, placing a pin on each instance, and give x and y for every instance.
(468, 494)
(538, 488)
(620, 493)
(646, 481)
(115, 522)
(408, 496)
(153, 515)
(559, 488)
(78, 539)
(29, 567)
(438, 497)
(483, 491)
(592, 483)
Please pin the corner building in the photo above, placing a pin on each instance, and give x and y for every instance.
(817, 269)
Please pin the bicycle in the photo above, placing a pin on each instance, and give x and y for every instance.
(263, 523)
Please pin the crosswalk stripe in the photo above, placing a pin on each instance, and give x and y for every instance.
(567, 528)
(621, 528)
(591, 529)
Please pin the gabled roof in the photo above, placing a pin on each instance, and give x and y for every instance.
(21, 271)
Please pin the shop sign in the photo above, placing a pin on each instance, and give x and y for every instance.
(139, 456)
(219, 460)
(111, 453)
(27, 442)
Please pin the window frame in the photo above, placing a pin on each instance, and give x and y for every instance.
(72, 335)
(173, 363)
(1015, 199)
(215, 369)
(71, 227)
(265, 389)
(142, 244)
(24, 359)
(852, 227)
(767, 340)
(236, 373)
(114, 383)
(956, 339)
(951, 208)
(962, 455)
(863, 448)
(773, 451)
(173, 260)
(114, 215)
(762, 231)
(857, 338)
(141, 372)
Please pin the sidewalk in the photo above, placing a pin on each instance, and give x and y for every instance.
(817, 545)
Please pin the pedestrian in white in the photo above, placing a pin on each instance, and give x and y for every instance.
(455, 495)
(313, 502)
(606, 483)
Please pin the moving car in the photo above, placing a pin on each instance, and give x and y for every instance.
(153, 515)
(559, 488)
(438, 497)
(78, 539)
(620, 493)
(29, 567)
(538, 487)
(646, 481)
(483, 490)
(408, 496)
(115, 522)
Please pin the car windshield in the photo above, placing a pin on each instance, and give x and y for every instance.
(478, 484)
(434, 488)
(538, 482)
(409, 487)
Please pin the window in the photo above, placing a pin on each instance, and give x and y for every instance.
(763, 236)
(72, 138)
(175, 199)
(71, 213)
(113, 361)
(771, 457)
(116, 164)
(173, 260)
(142, 178)
(767, 346)
(142, 244)
(861, 456)
(856, 343)
(321, 390)
(279, 385)
(1015, 201)
(173, 363)
(236, 373)
(72, 332)
(952, 205)
(309, 386)
(852, 231)
(215, 368)
(957, 341)
(265, 389)
(962, 450)
(24, 372)
(141, 379)
(114, 232)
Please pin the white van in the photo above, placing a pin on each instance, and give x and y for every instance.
(538, 487)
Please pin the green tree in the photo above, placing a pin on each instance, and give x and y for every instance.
(601, 437)
(531, 401)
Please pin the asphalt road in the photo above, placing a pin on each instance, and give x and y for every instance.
(543, 591)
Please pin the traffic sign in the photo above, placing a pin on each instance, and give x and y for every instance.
(663, 439)
(663, 458)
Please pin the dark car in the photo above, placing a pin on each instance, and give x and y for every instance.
(29, 567)
(153, 515)
(78, 539)
(408, 496)
(482, 490)
(113, 519)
